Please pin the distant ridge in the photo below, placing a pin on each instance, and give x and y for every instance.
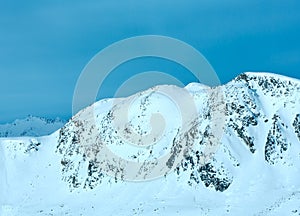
(31, 126)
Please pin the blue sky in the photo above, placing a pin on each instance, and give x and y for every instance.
(44, 45)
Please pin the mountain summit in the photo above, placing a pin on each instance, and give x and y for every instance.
(228, 150)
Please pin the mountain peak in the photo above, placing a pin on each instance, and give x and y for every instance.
(255, 161)
(247, 76)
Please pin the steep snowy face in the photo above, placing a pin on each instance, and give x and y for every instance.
(150, 136)
(31, 126)
(265, 107)
(260, 125)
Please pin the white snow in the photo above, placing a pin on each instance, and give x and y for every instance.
(31, 178)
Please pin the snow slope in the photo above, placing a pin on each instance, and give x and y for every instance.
(253, 170)
(31, 126)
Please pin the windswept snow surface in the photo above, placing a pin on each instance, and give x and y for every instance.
(254, 169)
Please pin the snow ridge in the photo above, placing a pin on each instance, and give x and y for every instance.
(31, 126)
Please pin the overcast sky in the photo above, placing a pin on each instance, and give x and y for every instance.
(44, 45)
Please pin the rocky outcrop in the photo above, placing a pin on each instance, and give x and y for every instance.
(254, 110)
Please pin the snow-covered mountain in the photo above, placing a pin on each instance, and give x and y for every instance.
(31, 126)
(228, 150)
